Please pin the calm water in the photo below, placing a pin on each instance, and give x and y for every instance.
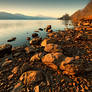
(24, 28)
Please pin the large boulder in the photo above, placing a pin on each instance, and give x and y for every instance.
(71, 66)
(53, 60)
(52, 48)
(36, 41)
(31, 77)
(5, 49)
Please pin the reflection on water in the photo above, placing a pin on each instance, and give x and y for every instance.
(20, 28)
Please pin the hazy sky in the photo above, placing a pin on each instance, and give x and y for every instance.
(53, 8)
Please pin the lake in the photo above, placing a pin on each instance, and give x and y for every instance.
(24, 28)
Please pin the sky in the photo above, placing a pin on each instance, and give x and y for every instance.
(52, 8)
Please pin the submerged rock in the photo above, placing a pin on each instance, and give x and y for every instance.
(28, 38)
(12, 39)
(5, 49)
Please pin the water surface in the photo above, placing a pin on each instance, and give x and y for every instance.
(24, 28)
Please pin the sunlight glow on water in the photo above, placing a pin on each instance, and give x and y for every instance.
(20, 28)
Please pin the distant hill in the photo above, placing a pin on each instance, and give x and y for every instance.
(9, 16)
(84, 13)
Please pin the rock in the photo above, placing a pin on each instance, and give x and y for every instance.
(36, 41)
(7, 63)
(73, 51)
(25, 67)
(15, 70)
(53, 60)
(19, 87)
(34, 35)
(52, 48)
(12, 39)
(48, 41)
(48, 27)
(40, 29)
(28, 38)
(71, 66)
(50, 30)
(5, 49)
(31, 77)
(30, 50)
(37, 57)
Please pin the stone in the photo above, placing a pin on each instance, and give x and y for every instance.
(40, 29)
(50, 30)
(5, 49)
(48, 27)
(12, 39)
(53, 60)
(36, 41)
(34, 35)
(52, 48)
(28, 38)
(48, 41)
(30, 50)
(37, 57)
(7, 63)
(15, 70)
(70, 66)
(19, 87)
(31, 77)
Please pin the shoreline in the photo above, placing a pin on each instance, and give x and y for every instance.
(61, 62)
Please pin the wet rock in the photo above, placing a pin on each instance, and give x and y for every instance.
(48, 41)
(52, 48)
(40, 29)
(53, 60)
(7, 63)
(15, 70)
(37, 57)
(50, 30)
(73, 51)
(48, 27)
(25, 67)
(19, 87)
(12, 39)
(71, 66)
(28, 38)
(31, 77)
(30, 50)
(34, 35)
(5, 49)
(36, 41)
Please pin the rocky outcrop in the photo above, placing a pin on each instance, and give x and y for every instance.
(84, 13)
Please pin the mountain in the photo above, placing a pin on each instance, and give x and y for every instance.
(83, 13)
(9, 16)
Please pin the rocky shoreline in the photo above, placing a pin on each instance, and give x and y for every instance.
(61, 62)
